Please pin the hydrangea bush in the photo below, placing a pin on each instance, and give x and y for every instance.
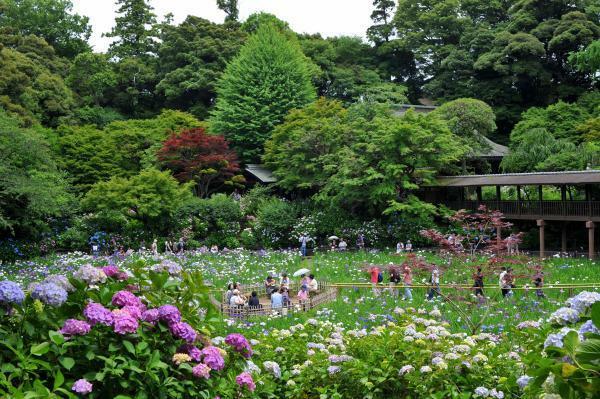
(109, 333)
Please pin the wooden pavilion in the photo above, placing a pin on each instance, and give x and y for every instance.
(466, 192)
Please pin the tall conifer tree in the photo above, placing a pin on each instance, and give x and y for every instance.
(134, 28)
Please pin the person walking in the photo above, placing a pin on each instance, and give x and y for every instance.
(501, 281)
(303, 242)
(478, 285)
(399, 247)
(394, 280)
(360, 241)
(407, 279)
(374, 271)
(154, 247)
(434, 282)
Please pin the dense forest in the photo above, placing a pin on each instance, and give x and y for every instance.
(150, 138)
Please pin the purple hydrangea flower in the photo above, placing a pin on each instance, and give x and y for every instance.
(245, 379)
(173, 268)
(82, 386)
(523, 381)
(11, 293)
(61, 281)
(239, 344)
(95, 313)
(564, 316)
(169, 313)
(588, 327)
(213, 358)
(111, 270)
(124, 323)
(183, 331)
(201, 370)
(75, 327)
(192, 351)
(134, 311)
(125, 298)
(50, 294)
(333, 369)
(150, 316)
(582, 301)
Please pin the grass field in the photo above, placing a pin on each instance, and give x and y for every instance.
(359, 307)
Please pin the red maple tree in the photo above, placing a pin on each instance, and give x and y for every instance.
(207, 160)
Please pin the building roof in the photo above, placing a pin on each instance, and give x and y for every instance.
(261, 173)
(494, 150)
(521, 179)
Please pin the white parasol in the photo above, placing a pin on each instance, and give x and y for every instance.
(301, 272)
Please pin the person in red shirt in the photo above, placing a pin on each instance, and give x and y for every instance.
(375, 279)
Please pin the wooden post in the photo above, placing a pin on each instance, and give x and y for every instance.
(563, 199)
(591, 239)
(479, 194)
(519, 200)
(541, 224)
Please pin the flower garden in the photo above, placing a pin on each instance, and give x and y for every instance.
(145, 327)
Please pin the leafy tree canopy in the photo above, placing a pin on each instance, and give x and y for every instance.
(52, 20)
(269, 77)
(32, 84)
(135, 30)
(32, 189)
(192, 58)
(193, 155)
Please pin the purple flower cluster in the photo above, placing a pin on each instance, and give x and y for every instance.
(183, 331)
(11, 293)
(75, 327)
(174, 269)
(82, 386)
(150, 316)
(245, 380)
(582, 301)
(213, 358)
(61, 281)
(111, 270)
(192, 351)
(95, 313)
(239, 344)
(50, 294)
(125, 298)
(201, 370)
(124, 322)
(564, 316)
(169, 314)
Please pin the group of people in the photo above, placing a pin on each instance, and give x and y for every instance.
(304, 239)
(401, 247)
(278, 292)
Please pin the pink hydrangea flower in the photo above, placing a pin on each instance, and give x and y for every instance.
(125, 298)
(201, 370)
(75, 327)
(124, 323)
(245, 379)
(110, 270)
(82, 386)
(135, 311)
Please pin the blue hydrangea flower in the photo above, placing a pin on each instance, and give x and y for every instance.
(589, 327)
(50, 294)
(11, 293)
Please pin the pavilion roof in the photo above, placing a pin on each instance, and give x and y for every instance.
(521, 179)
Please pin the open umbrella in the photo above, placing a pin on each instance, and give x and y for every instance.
(333, 238)
(301, 272)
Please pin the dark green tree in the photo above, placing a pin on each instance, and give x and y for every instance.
(269, 77)
(135, 30)
(92, 77)
(382, 16)
(52, 20)
(230, 7)
(32, 189)
(191, 58)
(32, 84)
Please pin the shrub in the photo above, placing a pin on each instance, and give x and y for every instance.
(274, 223)
(220, 216)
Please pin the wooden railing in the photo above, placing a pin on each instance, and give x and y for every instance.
(535, 209)
(326, 293)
